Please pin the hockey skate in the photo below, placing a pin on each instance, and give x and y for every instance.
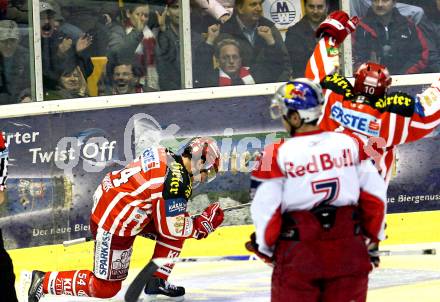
(36, 288)
(157, 286)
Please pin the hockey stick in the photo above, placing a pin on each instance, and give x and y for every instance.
(68, 243)
(236, 207)
(137, 285)
(405, 252)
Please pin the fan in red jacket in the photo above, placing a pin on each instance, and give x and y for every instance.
(149, 196)
(383, 120)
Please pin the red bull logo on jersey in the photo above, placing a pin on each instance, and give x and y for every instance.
(319, 163)
(357, 121)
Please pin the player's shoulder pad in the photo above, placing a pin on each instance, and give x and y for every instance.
(267, 165)
(397, 102)
(177, 181)
(338, 84)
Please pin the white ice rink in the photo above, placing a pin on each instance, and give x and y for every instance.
(241, 281)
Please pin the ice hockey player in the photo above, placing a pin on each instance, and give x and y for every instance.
(381, 119)
(7, 277)
(149, 196)
(317, 202)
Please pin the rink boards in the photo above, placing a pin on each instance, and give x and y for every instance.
(57, 165)
(407, 228)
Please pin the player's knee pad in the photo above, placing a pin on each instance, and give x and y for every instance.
(104, 288)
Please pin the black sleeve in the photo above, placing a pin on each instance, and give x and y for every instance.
(338, 84)
(398, 102)
(203, 64)
(177, 183)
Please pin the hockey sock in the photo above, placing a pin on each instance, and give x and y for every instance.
(73, 283)
(166, 248)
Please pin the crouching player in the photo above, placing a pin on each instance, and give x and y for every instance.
(149, 196)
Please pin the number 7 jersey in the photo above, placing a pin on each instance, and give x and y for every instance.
(312, 169)
(153, 189)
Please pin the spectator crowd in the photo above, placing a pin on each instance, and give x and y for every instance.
(232, 43)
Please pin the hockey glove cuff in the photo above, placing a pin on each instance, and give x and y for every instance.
(373, 251)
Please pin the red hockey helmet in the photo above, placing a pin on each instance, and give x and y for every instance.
(372, 79)
(205, 157)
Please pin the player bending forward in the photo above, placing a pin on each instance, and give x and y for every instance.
(382, 120)
(316, 203)
(149, 196)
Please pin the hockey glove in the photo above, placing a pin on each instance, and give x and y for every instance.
(252, 246)
(208, 221)
(337, 25)
(373, 251)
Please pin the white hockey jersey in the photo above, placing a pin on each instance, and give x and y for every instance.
(311, 169)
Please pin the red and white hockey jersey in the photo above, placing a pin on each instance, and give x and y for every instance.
(389, 121)
(311, 169)
(153, 188)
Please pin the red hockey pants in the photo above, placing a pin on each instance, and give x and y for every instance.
(324, 265)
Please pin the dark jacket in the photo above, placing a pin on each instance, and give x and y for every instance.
(260, 51)
(300, 43)
(401, 46)
(431, 30)
(168, 60)
(14, 76)
(54, 64)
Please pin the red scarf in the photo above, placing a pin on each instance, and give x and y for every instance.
(244, 74)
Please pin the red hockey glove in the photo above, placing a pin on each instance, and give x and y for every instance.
(252, 246)
(337, 25)
(208, 221)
